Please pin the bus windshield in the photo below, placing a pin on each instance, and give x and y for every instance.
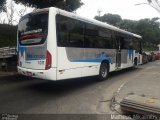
(33, 29)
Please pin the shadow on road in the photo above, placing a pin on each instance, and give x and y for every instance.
(20, 93)
(58, 87)
(64, 86)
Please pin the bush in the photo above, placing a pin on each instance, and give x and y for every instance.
(8, 35)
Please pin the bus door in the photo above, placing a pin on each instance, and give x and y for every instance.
(118, 51)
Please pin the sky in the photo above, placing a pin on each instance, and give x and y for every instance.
(125, 8)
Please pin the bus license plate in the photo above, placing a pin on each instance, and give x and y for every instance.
(29, 74)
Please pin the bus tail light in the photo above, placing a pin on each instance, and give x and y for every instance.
(48, 60)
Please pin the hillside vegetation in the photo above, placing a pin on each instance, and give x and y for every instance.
(8, 35)
(149, 29)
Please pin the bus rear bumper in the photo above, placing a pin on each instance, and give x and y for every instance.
(42, 74)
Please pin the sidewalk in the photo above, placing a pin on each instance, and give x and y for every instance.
(145, 83)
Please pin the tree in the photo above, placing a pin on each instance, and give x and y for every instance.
(8, 35)
(155, 4)
(21, 12)
(112, 19)
(129, 25)
(2, 5)
(69, 5)
(149, 29)
(9, 14)
(12, 13)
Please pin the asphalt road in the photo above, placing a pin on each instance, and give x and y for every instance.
(19, 94)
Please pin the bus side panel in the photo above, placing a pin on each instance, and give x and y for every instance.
(91, 64)
(94, 58)
(81, 62)
(67, 67)
(127, 58)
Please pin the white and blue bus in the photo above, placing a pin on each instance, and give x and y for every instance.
(54, 44)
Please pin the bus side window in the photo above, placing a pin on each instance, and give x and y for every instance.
(69, 32)
(136, 45)
(76, 36)
(127, 43)
(97, 37)
(62, 34)
(75, 40)
(90, 36)
(105, 38)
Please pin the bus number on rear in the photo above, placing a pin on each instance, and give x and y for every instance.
(41, 62)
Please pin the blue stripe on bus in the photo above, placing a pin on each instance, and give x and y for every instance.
(21, 49)
(92, 60)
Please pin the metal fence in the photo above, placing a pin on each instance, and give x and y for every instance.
(6, 52)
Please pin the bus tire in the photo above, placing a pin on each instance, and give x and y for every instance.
(103, 71)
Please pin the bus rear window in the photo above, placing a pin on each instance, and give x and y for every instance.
(33, 29)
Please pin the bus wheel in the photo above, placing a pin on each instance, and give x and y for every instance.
(103, 71)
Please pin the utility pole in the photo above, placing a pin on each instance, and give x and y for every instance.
(99, 12)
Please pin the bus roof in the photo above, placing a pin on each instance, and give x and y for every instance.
(96, 22)
(92, 21)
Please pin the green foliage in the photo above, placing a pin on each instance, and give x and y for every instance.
(149, 29)
(129, 25)
(150, 48)
(8, 35)
(112, 19)
(69, 5)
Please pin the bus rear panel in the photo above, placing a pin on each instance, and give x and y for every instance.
(34, 58)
